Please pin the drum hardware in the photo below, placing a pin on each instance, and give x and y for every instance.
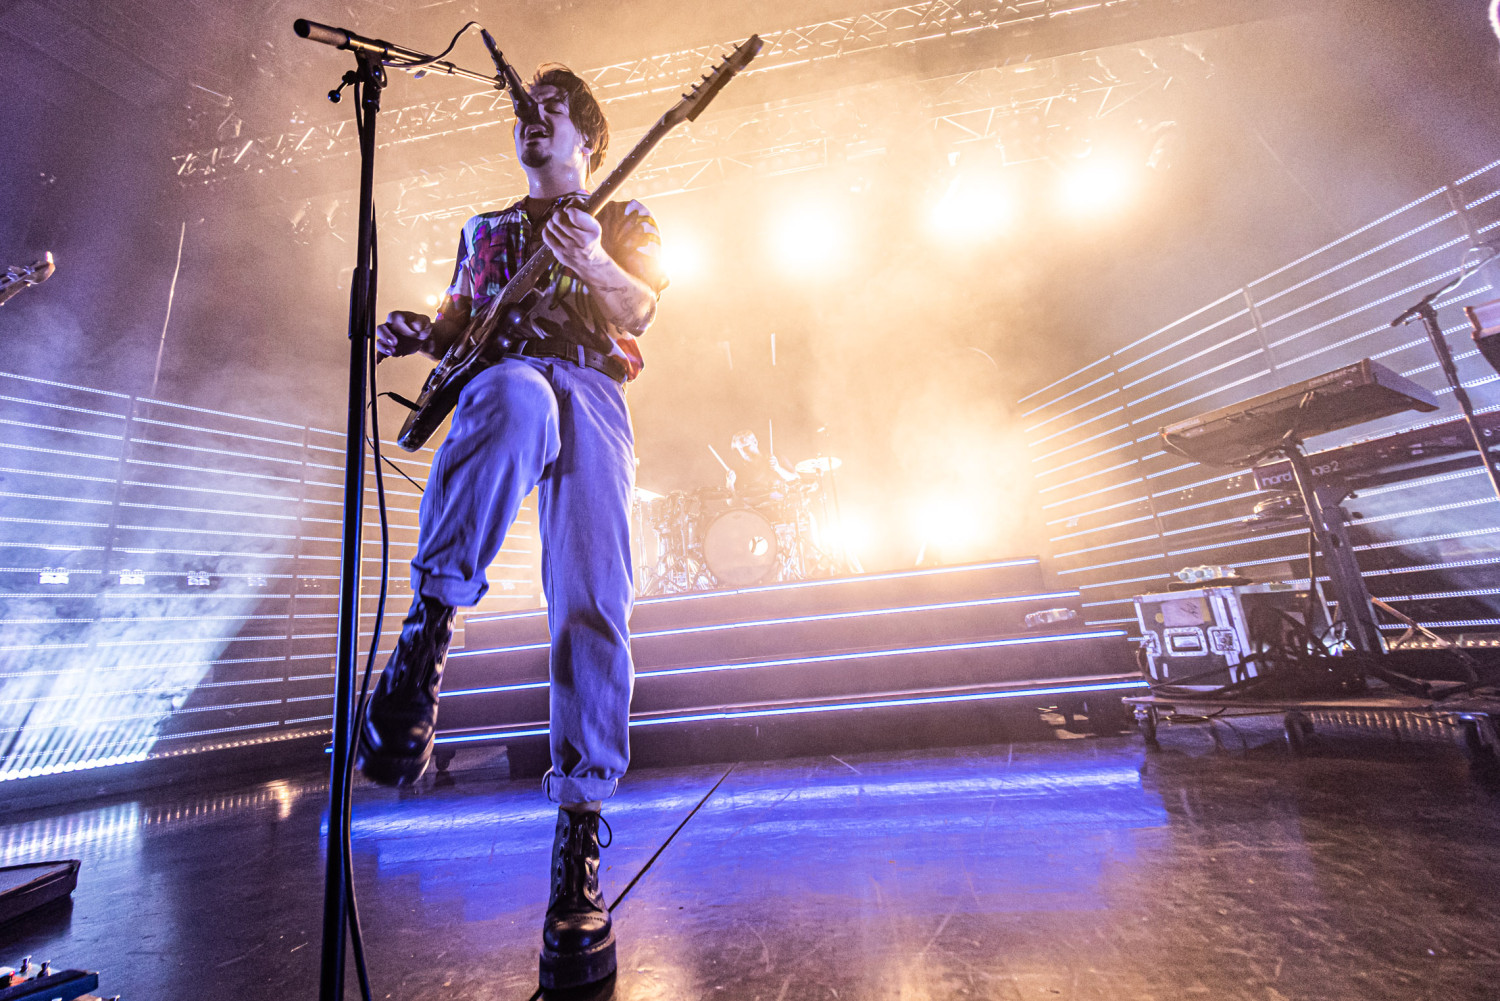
(710, 538)
(816, 467)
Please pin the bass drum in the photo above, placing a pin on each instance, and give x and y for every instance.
(740, 548)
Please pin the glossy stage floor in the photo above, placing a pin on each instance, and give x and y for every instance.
(1058, 866)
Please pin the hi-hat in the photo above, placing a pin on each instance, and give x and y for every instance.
(822, 464)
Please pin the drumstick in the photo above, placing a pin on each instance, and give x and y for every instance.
(721, 459)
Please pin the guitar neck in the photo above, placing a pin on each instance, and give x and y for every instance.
(627, 166)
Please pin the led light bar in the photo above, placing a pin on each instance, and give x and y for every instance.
(793, 586)
(820, 659)
(796, 619)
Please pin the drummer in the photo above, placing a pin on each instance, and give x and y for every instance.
(754, 478)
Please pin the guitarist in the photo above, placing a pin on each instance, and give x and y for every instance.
(550, 413)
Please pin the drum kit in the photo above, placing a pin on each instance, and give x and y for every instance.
(711, 538)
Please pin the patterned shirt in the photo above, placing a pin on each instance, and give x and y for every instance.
(494, 246)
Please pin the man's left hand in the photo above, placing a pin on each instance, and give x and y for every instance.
(573, 236)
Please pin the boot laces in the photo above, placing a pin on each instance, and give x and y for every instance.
(573, 861)
(413, 670)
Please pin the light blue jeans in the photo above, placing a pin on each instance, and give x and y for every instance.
(554, 425)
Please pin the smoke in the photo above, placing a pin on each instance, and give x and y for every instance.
(78, 695)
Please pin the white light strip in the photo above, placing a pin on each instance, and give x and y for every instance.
(798, 585)
(225, 413)
(822, 659)
(229, 434)
(823, 617)
(804, 710)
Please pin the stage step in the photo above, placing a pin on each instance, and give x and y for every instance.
(886, 590)
(892, 645)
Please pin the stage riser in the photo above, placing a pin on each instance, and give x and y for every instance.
(864, 678)
(779, 601)
(886, 637)
(885, 630)
(840, 733)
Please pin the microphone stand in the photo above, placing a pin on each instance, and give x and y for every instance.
(369, 79)
(1427, 312)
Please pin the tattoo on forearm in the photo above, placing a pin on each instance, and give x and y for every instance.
(622, 305)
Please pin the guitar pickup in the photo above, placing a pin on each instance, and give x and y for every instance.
(398, 398)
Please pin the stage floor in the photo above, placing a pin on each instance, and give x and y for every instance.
(1079, 868)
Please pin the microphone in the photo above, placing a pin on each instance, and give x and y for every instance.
(526, 109)
(341, 38)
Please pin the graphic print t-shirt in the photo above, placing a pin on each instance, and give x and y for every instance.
(494, 246)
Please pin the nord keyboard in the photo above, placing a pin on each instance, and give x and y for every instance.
(1443, 447)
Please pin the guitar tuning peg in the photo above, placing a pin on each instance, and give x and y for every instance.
(46, 969)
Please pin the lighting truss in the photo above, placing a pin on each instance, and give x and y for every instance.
(972, 108)
(895, 28)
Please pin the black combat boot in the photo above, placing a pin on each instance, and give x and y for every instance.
(578, 941)
(395, 742)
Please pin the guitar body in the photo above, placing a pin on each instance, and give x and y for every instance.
(439, 397)
(507, 316)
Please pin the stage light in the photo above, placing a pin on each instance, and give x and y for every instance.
(1095, 185)
(847, 535)
(809, 238)
(947, 525)
(682, 258)
(432, 300)
(973, 207)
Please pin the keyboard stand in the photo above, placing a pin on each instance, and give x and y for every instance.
(1322, 501)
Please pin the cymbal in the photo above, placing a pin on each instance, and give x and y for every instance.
(823, 464)
(642, 494)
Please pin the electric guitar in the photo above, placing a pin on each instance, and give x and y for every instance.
(510, 310)
(15, 279)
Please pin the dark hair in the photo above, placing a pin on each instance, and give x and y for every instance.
(583, 108)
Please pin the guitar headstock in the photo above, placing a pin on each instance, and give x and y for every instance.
(695, 100)
(14, 279)
(32, 274)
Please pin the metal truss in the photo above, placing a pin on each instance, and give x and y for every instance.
(1009, 108)
(893, 28)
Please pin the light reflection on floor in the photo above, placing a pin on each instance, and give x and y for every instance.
(1079, 869)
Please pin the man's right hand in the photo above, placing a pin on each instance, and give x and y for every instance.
(404, 333)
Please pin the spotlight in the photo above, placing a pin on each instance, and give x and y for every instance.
(946, 525)
(847, 536)
(682, 258)
(974, 207)
(1094, 185)
(809, 238)
(432, 300)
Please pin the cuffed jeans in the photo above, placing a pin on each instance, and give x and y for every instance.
(554, 425)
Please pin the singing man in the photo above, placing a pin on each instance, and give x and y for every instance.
(549, 414)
